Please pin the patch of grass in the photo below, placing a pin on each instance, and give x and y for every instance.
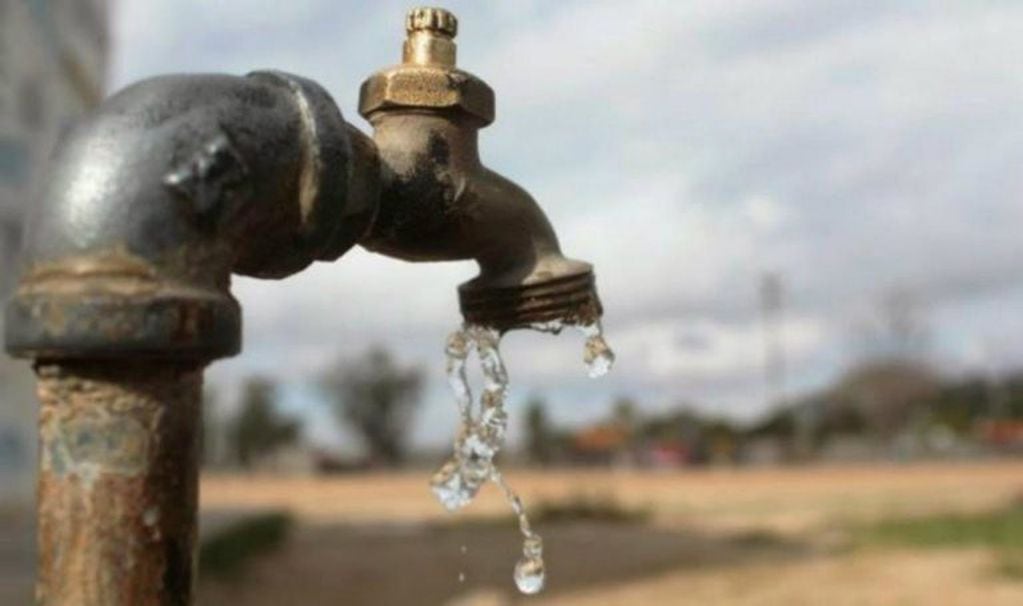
(590, 508)
(577, 508)
(1000, 530)
(758, 539)
(1010, 564)
(225, 553)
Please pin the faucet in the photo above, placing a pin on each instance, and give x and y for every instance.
(438, 202)
(176, 183)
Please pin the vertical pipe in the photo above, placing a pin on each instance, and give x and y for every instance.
(118, 482)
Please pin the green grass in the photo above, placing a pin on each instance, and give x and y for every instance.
(1010, 564)
(1001, 531)
(226, 552)
(576, 508)
(589, 508)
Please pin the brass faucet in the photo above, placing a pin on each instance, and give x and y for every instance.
(438, 202)
(170, 186)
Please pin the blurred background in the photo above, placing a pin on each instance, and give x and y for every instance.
(804, 218)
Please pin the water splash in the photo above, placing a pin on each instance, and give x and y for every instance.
(529, 570)
(481, 435)
(597, 356)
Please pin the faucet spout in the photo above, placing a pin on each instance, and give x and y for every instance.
(438, 202)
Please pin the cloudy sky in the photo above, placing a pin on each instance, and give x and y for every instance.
(861, 150)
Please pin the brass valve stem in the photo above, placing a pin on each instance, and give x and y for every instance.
(430, 37)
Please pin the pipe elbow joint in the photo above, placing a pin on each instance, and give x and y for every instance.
(169, 187)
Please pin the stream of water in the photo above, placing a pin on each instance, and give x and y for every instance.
(481, 433)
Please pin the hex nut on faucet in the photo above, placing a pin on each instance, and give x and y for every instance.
(427, 76)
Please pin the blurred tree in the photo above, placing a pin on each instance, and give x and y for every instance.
(779, 424)
(259, 430)
(888, 393)
(960, 404)
(721, 440)
(1013, 386)
(377, 399)
(682, 424)
(624, 413)
(839, 417)
(896, 326)
(540, 439)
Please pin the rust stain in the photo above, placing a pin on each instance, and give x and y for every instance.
(117, 483)
(115, 271)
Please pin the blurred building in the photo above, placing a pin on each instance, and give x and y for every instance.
(52, 64)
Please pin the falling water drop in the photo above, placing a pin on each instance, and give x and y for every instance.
(597, 355)
(553, 327)
(529, 575)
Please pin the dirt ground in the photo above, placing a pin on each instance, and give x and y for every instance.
(749, 537)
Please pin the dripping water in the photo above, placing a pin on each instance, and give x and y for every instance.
(481, 435)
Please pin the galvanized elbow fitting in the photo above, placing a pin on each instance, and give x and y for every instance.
(438, 202)
(172, 185)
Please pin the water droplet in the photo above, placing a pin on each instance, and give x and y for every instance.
(461, 577)
(553, 327)
(529, 575)
(450, 488)
(597, 355)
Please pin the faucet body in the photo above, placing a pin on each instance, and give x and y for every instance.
(438, 202)
(170, 187)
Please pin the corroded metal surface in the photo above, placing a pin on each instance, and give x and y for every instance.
(116, 304)
(170, 186)
(117, 483)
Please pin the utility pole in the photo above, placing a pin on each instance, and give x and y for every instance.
(772, 303)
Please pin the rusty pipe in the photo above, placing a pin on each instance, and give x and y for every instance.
(117, 482)
(149, 206)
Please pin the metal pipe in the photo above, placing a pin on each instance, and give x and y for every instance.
(149, 206)
(118, 482)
